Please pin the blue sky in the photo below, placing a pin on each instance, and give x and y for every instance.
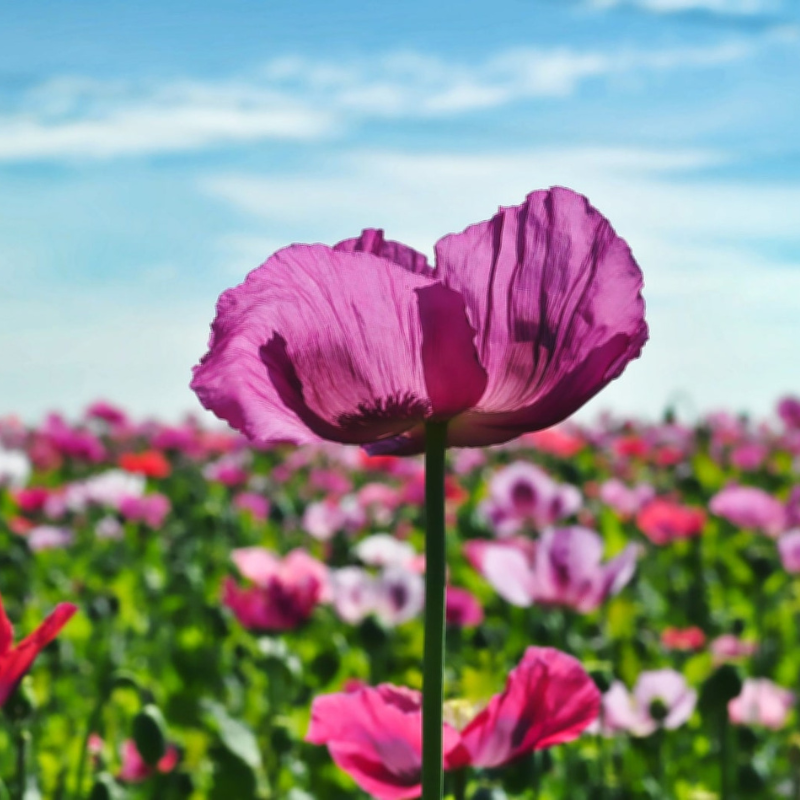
(151, 154)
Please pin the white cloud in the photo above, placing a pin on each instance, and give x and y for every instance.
(736, 7)
(724, 318)
(304, 99)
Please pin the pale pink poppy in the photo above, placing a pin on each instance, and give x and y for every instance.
(761, 702)
(564, 568)
(626, 501)
(728, 647)
(789, 550)
(633, 712)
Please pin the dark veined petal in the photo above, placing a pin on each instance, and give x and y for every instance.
(320, 344)
(555, 296)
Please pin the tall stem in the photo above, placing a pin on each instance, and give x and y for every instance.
(433, 661)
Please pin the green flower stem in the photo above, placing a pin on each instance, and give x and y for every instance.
(433, 660)
(23, 738)
(460, 784)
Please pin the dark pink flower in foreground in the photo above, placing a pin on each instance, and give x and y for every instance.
(663, 521)
(284, 594)
(16, 660)
(524, 318)
(761, 702)
(750, 507)
(134, 769)
(564, 568)
(375, 734)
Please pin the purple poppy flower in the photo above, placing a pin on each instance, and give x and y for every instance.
(524, 318)
(624, 500)
(521, 493)
(564, 568)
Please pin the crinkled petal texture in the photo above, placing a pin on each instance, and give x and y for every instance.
(549, 699)
(524, 319)
(555, 296)
(375, 735)
(346, 346)
(16, 661)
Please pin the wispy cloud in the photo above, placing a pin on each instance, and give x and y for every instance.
(735, 7)
(304, 99)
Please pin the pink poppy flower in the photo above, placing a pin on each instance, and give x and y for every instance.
(750, 507)
(789, 411)
(521, 493)
(731, 648)
(135, 770)
(789, 550)
(284, 594)
(749, 456)
(255, 504)
(563, 568)
(624, 500)
(557, 441)
(16, 660)
(462, 608)
(524, 318)
(633, 712)
(663, 521)
(151, 509)
(761, 702)
(375, 734)
(107, 412)
(49, 537)
(683, 638)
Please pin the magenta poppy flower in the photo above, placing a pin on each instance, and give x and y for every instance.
(284, 594)
(16, 660)
(564, 568)
(462, 608)
(524, 318)
(750, 507)
(789, 411)
(375, 734)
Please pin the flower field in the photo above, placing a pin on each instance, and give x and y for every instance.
(622, 613)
